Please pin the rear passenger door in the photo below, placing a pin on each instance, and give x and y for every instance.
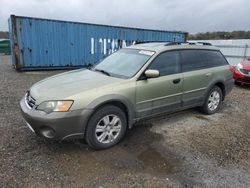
(197, 74)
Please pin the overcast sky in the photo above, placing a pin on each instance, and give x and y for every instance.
(182, 15)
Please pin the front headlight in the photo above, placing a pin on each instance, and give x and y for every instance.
(239, 66)
(55, 106)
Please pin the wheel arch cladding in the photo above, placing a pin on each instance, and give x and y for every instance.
(117, 100)
(221, 85)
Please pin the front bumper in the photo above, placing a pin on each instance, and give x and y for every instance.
(239, 77)
(56, 125)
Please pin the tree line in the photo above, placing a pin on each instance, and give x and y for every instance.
(4, 35)
(220, 35)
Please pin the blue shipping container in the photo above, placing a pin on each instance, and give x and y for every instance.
(51, 44)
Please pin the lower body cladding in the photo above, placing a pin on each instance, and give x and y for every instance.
(56, 125)
(241, 78)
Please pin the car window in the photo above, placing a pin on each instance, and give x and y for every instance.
(200, 59)
(124, 63)
(166, 63)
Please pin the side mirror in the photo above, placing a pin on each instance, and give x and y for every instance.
(152, 73)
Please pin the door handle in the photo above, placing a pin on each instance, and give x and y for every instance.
(208, 74)
(176, 81)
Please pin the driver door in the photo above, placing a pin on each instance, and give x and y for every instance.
(164, 93)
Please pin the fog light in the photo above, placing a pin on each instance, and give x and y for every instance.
(47, 132)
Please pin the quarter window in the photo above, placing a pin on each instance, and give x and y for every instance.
(166, 63)
(201, 59)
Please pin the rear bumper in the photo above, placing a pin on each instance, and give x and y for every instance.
(229, 84)
(56, 125)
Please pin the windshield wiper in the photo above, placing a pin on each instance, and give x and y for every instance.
(102, 71)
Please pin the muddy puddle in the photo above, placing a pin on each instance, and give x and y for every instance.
(154, 162)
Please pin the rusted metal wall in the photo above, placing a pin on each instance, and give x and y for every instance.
(51, 44)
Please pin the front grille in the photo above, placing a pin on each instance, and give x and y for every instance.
(244, 71)
(31, 102)
(245, 79)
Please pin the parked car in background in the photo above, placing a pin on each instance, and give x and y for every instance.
(134, 83)
(242, 72)
(5, 46)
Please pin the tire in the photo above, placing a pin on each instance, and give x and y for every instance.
(106, 127)
(212, 102)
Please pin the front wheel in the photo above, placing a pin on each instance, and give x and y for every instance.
(106, 127)
(213, 101)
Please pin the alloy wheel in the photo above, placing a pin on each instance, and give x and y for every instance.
(108, 128)
(214, 100)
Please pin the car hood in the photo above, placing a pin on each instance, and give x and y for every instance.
(246, 65)
(64, 85)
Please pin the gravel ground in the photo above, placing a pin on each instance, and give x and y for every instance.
(185, 149)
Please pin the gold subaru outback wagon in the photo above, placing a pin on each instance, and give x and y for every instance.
(141, 81)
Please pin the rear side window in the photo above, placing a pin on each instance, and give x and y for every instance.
(201, 59)
(167, 63)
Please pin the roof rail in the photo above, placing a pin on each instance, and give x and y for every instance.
(170, 43)
(189, 43)
(205, 43)
(142, 42)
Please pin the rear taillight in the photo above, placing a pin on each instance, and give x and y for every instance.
(231, 68)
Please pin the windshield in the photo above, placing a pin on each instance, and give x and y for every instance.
(124, 63)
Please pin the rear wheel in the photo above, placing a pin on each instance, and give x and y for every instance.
(213, 101)
(106, 127)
